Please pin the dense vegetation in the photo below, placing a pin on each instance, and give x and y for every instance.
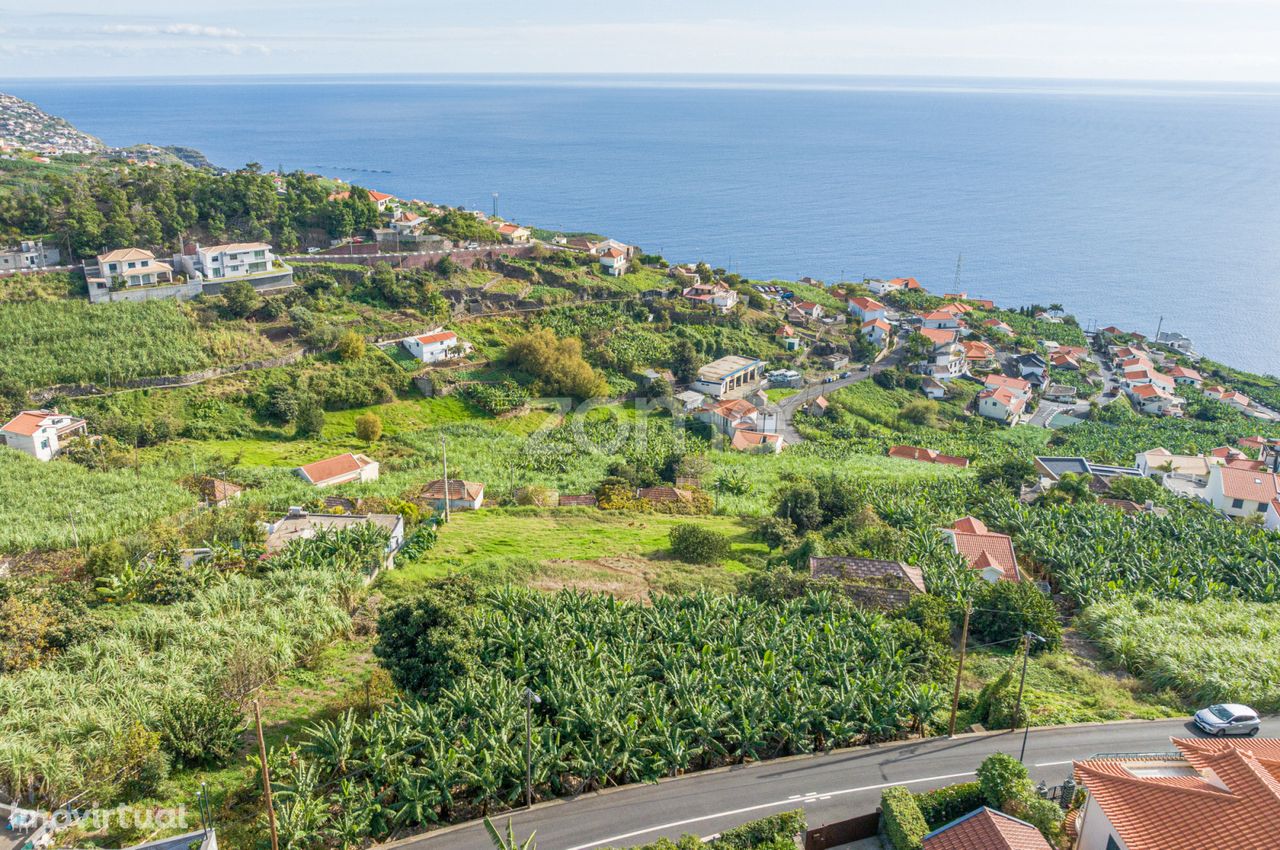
(628, 693)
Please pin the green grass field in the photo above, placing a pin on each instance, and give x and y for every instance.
(623, 553)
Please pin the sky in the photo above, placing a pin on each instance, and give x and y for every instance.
(1212, 40)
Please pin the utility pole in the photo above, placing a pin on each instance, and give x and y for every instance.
(75, 535)
(955, 694)
(444, 461)
(1158, 328)
(266, 777)
(495, 204)
(529, 699)
(959, 260)
(1026, 655)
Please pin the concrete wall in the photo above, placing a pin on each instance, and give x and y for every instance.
(179, 291)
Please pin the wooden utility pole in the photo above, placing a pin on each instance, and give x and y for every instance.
(266, 777)
(1026, 655)
(955, 694)
(444, 460)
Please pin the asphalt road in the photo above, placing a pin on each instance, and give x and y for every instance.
(830, 787)
(788, 407)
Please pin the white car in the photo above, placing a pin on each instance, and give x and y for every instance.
(1228, 719)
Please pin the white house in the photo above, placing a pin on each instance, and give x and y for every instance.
(29, 254)
(942, 320)
(867, 309)
(947, 362)
(232, 261)
(343, 469)
(41, 433)
(434, 347)
(1033, 366)
(1241, 492)
(383, 201)
(408, 223)
(514, 233)
(1002, 404)
(1155, 400)
(718, 295)
(877, 330)
(881, 287)
(988, 552)
(125, 267)
(808, 309)
(614, 262)
(721, 377)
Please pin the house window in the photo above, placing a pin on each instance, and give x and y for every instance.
(1237, 503)
(1111, 843)
(1262, 507)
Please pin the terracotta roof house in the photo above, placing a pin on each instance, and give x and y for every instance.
(1018, 385)
(41, 433)
(1060, 360)
(755, 441)
(938, 336)
(435, 346)
(342, 469)
(986, 829)
(1183, 375)
(866, 309)
(1211, 793)
(877, 330)
(1002, 403)
(1254, 443)
(460, 495)
(978, 352)
(1241, 492)
(788, 337)
(818, 407)
(927, 456)
(998, 326)
(987, 551)
(876, 583)
(215, 491)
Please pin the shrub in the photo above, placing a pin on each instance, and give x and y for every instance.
(241, 298)
(200, 729)
(1044, 815)
(1003, 779)
(426, 642)
(694, 544)
(782, 827)
(945, 804)
(1007, 609)
(900, 818)
(310, 421)
(536, 495)
(350, 346)
(368, 427)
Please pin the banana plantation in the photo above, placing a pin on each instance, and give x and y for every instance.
(627, 693)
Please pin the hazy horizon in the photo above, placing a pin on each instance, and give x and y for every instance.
(1146, 40)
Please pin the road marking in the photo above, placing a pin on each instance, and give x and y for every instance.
(614, 839)
(1052, 763)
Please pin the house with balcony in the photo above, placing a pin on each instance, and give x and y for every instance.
(717, 294)
(124, 269)
(41, 433)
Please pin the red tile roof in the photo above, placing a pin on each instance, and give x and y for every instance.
(1193, 812)
(785, 330)
(439, 336)
(878, 323)
(939, 336)
(976, 349)
(458, 489)
(743, 440)
(866, 305)
(1018, 385)
(26, 423)
(380, 196)
(905, 282)
(927, 456)
(986, 829)
(333, 467)
(983, 548)
(1248, 484)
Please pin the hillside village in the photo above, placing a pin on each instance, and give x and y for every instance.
(377, 466)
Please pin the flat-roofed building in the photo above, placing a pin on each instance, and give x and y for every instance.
(721, 377)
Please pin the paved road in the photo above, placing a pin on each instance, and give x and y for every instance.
(788, 407)
(829, 787)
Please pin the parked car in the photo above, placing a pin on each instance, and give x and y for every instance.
(1228, 719)
(846, 375)
(828, 380)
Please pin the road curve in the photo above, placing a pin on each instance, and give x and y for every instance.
(829, 787)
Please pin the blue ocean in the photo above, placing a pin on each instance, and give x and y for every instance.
(1128, 203)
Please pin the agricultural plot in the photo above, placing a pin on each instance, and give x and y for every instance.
(52, 505)
(51, 342)
(1208, 651)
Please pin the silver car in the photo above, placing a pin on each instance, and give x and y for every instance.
(1228, 719)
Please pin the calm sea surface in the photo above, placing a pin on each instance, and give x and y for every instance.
(1125, 202)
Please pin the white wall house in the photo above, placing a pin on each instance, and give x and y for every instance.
(434, 347)
(877, 330)
(614, 262)
(1002, 404)
(128, 267)
(867, 309)
(718, 295)
(229, 262)
(41, 433)
(1239, 492)
(721, 377)
(29, 254)
(342, 469)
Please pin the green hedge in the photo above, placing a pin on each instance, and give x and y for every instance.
(943, 805)
(900, 818)
(775, 832)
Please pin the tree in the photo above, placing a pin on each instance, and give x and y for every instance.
(1071, 489)
(685, 360)
(557, 363)
(800, 504)
(919, 346)
(351, 346)
(240, 298)
(197, 729)
(368, 427)
(1134, 488)
(1011, 473)
(426, 642)
(695, 544)
(310, 421)
(1008, 609)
